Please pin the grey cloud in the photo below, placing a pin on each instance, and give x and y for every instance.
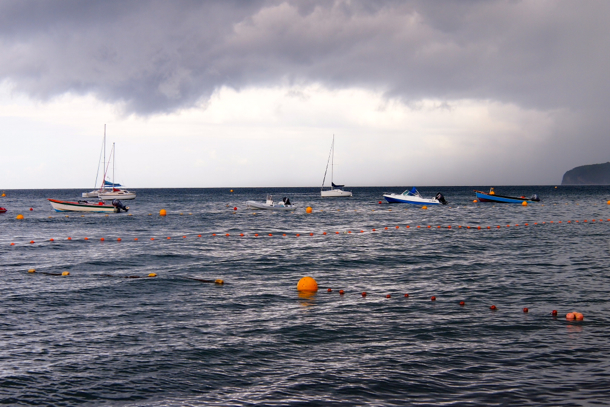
(158, 56)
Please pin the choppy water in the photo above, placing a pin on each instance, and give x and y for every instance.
(96, 337)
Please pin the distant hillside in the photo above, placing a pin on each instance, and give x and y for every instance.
(594, 174)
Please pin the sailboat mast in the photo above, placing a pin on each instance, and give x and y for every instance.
(104, 178)
(113, 160)
(332, 164)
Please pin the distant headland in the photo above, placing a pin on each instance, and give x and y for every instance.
(593, 174)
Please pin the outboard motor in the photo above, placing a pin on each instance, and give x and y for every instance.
(535, 198)
(439, 197)
(286, 201)
(119, 205)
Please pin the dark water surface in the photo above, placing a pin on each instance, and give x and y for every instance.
(96, 337)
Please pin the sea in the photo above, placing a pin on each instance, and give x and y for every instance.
(139, 319)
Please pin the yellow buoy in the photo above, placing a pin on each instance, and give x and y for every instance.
(20, 216)
(31, 270)
(162, 212)
(524, 203)
(308, 210)
(307, 284)
(219, 281)
(231, 190)
(424, 207)
(65, 273)
(152, 275)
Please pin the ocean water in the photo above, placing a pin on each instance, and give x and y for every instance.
(101, 336)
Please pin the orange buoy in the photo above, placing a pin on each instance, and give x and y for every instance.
(119, 239)
(526, 310)
(256, 235)
(270, 234)
(524, 203)
(162, 212)
(12, 244)
(102, 239)
(200, 235)
(307, 284)
(86, 238)
(341, 292)
(311, 234)
(225, 235)
(308, 210)
(433, 298)
(475, 201)
(330, 290)
(51, 240)
(168, 238)
(184, 237)
(31, 241)
(324, 233)
(493, 308)
(570, 316)
(152, 238)
(578, 316)
(135, 239)
(69, 238)
(462, 303)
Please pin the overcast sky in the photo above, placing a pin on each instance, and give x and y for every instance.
(249, 93)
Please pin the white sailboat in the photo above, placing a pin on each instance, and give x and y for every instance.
(114, 192)
(335, 191)
(102, 162)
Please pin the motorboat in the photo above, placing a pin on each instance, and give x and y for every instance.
(269, 204)
(413, 197)
(492, 197)
(86, 206)
(335, 190)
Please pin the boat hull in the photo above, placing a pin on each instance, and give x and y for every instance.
(274, 207)
(335, 193)
(123, 194)
(68, 206)
(484, 197)
(413, 200)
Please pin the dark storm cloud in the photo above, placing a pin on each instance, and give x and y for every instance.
(159, 56)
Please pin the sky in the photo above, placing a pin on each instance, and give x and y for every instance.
(250, 93)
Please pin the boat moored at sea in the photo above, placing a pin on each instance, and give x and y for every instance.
(85, 206)
(269, 204)
(492, 197)
(335, 191)
(2, 210)
(413, 197)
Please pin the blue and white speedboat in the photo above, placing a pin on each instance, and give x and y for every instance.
(413, 197)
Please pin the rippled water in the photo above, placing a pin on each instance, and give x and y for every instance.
(97, 337)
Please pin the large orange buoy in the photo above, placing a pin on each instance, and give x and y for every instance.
(475, 201)
(308, 209)
(524, 203)
(20, 216)
(307, 284)
(162, 212)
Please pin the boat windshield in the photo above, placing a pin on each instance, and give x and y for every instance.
(412, 192)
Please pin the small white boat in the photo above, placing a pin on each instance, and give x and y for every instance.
(84, 206)
(335, 191)
(283, 205)
(413, 197)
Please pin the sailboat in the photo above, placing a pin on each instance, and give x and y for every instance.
(106, 194)
(102, 162)
(335, 190)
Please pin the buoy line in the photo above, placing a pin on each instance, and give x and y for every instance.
(353, 231)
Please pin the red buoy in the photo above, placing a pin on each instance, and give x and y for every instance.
(235, 208)
(406, 295)
(462, 303)
(493, 308)
(330, 290)
(341, 292)
(364, 293)
(433, 298)
(554, 313)
(388, 296)
(525, 310)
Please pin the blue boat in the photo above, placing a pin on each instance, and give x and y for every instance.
(492, 197)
